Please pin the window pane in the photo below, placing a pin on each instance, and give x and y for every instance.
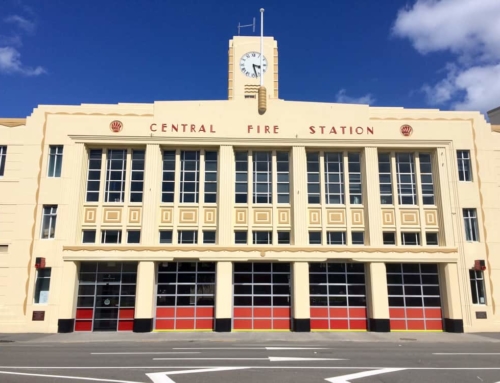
(88, 236)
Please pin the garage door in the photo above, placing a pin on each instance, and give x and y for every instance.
(185, 296)
(337, 296)
(106, 296)
(261, 296)
(414, 297)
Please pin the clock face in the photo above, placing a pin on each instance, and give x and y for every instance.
(250, 64)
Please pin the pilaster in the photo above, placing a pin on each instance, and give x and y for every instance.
(450, 297)
(299, 196)
(377, 297)
(371, 191)
(152, 189)
(69, 284)
(225, 198)
(144, 297)
(223, 296)
(301, 311)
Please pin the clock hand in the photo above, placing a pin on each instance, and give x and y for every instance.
(254, 71)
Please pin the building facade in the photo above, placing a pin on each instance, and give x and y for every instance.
(208, 215)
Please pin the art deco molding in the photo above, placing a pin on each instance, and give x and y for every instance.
(12, 122)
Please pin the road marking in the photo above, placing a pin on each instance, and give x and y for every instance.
(270, 358)
(295, 348)
(466, 353)
(249, 348)
(161, 377)
(144, 353)
(344, 378)
(67, 377)
(252, 367)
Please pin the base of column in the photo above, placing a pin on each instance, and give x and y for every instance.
(143, 324)
(222, 325)
(453, 325)
(301, 325)
(65, 325)
(379, 325)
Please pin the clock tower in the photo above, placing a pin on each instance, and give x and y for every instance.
(244, 67)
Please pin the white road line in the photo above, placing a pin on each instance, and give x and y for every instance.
(161, 377)
(344, 378)
(252, 367)
(292, 359)
(67, 377)
(249, 348)
(144, 353)
(466, 353)
(295, 348)
(270, 358)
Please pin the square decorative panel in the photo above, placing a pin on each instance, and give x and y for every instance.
(112, 215)
(335, 217)
(431, 219)
(388, 218)
(167, 216)
(262, 216)
(209, 216)
(284, 217)
(134, 215)
(409, 218)
(358, 217)
(314, 217)
(241, 216)
(90, 215)
(188, 216)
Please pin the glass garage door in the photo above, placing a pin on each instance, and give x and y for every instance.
(185, 296)
(414, 297)
(261, 296)
(337, 296)
(106, 296)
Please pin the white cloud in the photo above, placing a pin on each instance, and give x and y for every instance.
(343, 98)
(10, 62)
(23, 23)
(470, 29)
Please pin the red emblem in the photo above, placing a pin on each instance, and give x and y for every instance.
(116, 126)
(406, 130)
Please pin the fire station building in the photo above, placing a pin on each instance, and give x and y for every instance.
(213, 216)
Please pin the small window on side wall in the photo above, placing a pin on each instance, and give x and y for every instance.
(55, 161)
(42, 286)
(477, 287)
(464, 165)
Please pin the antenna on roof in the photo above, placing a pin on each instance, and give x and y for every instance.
(248, 25)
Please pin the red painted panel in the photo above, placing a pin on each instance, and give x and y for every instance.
(205, 312)
(165, 312)
(125, 325)
(319, 312)
(398, 325)
(184, 324)
(242, 312)
(357, 324)
(84, 313)
(126, 313)
(165, 324)
(397, 313)
(339, 324)
(262, 324)
(434, 312)
(320, 324)
(415, 324)
(433, 324)
(357, 312)
(281, 324)
(83, 325)
(262, 312)
(415, 312)
(204, 324)
(242, 324)
(338, 312)
(184, 312)
(281, 312)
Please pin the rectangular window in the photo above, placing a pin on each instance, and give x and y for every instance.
(190, 176)
(240, 237)
(168, 181)
(283, 237)
(313, 179)
(94, 175)
(88, 236)
(134, 236)
(354, 165)
(410, 239)
(49, 222)
(137, 176)
(187, 237)
(241, 187)
(334, 178)
(3, 158)
(464, 165)
(389, 238)
(315, 237)
(283, 177)
(209, 237)
(431, 239)
(42, 286)
(55, 160)
(262, 237)
(335, 238)
(470, 223)
(407, 191)
(385, 178)
(111, 236)
(358, 238)
(165, 236)
(426, 179)
(262, 177)
(115, 175)
(477, 287)
(210, 177)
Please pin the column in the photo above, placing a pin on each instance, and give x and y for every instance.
(223, 296)
(301, 312)
(66, 322)
(299, 196)
(144, 297)
(225, 200)
(371, 190)
(377, 297)
(151, 200)
(450, 297)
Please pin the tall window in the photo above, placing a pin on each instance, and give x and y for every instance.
(355, 195)
(187, 237)
(3, 157)
(464, 166)
(335, 238)
(385, 178)
(410, 239)
(115, 175)
(477, 287)
(241, 187)
(210, 177)
(49, 218)
(426, 179)
(262, 237)
(55, 160)
(42, 286)
(111, 236)
(470, 223)
(137, 176)
(405, 167)
(283, 171)
(190, 176)
(334, 178)
(313, 179)
(94, 175)
(168, 182)
(262, 177)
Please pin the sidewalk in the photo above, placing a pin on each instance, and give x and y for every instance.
(253, 337)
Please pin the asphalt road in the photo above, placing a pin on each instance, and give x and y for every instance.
(248, 361)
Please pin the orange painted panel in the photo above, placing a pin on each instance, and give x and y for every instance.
(242, 324)
(204, 324)
(262, 312)
(242, 312)
(433, 324)
(165, 324)
(262, 324)
(126, 313)
(338, 312)
(184, 312)
(397, 313)
(125, 325)
(165, 312)
(281, 312)
(84, 313)
(434, 312)
(339, 324)
(415, 324)
(357, 324)
(320, 324)
(281, 324)
(319, 312)
(205, 312)
(357, 312)
(415, 312)
(184, 324)
(85, 325)
(398, 325)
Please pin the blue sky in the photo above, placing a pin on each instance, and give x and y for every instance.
(427, 53)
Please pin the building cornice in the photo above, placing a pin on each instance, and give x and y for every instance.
(12, 122)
